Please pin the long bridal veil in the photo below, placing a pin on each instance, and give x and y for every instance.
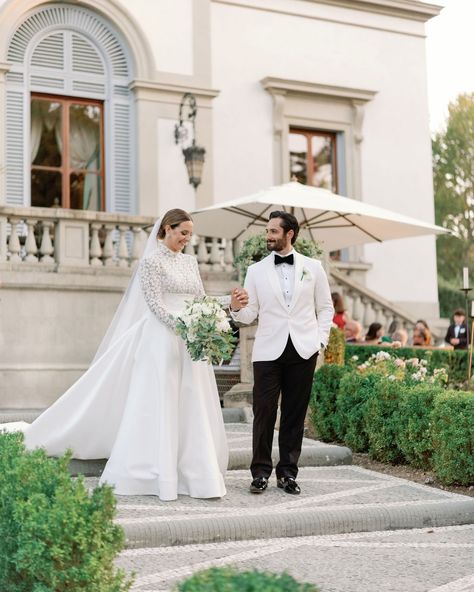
(101, 392)
(133, 305)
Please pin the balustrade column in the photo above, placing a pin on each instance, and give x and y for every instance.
(30, 245)
(369, 314)
(3, 239)
(108, 250)
(202, 254)
(136, 246)
(357, 309)
(122, 247)
(46, 247)
(348, 303)
(95, 250)
(228, 255)
(215, 256)
(14, 242)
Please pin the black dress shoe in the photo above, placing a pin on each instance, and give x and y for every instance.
(258, 485)
(289, 485)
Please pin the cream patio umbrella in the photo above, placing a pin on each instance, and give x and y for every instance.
(335, 221)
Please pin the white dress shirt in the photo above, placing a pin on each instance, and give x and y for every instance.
(286, 274)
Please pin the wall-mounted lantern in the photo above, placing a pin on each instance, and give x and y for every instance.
(193, 154)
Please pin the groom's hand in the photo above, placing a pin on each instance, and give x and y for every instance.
(238, 299)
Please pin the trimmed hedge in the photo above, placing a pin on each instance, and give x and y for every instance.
(421, 424)
(382, 420)
(351, 409)
(453, 437)
(454, 361)
(227, 579)
(322, 405)
(55, 536)
(414, 437)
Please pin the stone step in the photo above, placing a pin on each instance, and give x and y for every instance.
(334, 500)
(239, 436)
(231, 415)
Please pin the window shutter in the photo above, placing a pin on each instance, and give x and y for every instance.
(77, 53)
(122, 158)
(14, 174)
(49, 53)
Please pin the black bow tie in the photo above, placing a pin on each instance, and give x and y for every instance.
(288, 259)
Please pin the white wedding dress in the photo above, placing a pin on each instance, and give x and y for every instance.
(144, 404)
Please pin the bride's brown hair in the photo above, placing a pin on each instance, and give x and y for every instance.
(173, 218)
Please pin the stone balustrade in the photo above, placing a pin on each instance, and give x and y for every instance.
(368, 307)
(53, 237)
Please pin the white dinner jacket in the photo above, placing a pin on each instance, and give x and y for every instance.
(307, 320)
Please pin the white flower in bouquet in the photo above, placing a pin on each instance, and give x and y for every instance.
(206, 331)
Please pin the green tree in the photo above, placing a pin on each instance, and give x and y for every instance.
(453, 174)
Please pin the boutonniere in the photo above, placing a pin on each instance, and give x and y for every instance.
(305, 275)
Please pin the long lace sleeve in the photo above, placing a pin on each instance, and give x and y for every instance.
(224, 301)
(151, 284)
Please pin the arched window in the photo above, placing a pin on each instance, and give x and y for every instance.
(68, 131)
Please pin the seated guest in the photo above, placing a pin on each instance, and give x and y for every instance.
(456, 334)
(353, 332)
(399, 338)
(374, 334)
(339, 318)
(420, 337)
(423, 326)
(388, 337)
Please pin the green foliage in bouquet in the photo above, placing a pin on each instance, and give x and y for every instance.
(206, 331)
(55, 536)
(226, 579)
(254, 249)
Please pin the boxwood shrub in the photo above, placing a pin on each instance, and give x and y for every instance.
(351, 408)
(414, 437)
(55, 536)
(226, 579)
(453, 436)
(322, 406)
(382, 421)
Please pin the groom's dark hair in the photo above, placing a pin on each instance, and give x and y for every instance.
(288, 222)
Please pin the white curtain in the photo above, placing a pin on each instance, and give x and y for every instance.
(84, 144)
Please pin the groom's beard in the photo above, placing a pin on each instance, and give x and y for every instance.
(276, 245)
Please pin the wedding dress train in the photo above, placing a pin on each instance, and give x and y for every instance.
(144, 404)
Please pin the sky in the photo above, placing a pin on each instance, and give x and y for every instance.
(450, 57)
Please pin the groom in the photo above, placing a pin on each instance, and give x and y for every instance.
(290, 295)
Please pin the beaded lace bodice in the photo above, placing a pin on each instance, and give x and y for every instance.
(168, 272)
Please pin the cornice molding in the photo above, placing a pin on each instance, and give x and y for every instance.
(150, 88)
(284, 86)
(408, 9)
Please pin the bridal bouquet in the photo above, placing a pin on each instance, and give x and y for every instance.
(206, 331)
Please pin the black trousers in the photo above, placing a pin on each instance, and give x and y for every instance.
(292, 376)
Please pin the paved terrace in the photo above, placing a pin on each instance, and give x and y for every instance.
(351, 530)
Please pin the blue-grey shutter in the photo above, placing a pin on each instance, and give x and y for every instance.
(77, 54)
(14, 174)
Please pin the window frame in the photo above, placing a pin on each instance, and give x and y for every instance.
(66, 169)
(310, 133)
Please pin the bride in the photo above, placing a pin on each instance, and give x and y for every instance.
(143, 403)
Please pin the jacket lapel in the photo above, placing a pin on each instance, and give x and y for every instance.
(274, 280)
(298, 283)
